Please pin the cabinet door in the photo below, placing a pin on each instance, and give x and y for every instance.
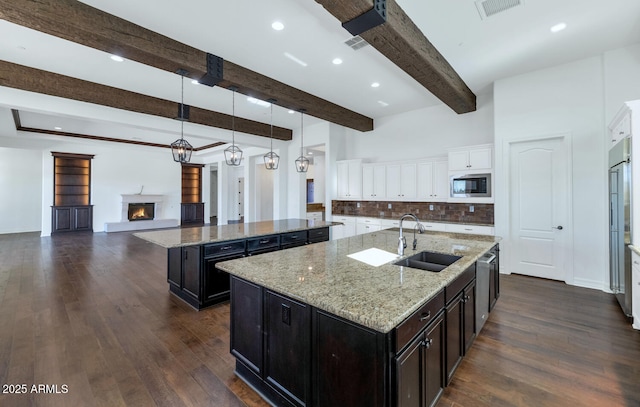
(62, 220)
(469, 315)
(349, 363)
(458, 160)
(355, 179)
(393, 181)
(83, 218)
(246, 323)
(424, 186)
(288, 344)
(454, 330)
(480, 159)
(440, 181)
(434, 381)
(191, 271)
(409, 370)
(367, 182)
(216, 283)
(342, 170)
(379, 182)
(408, 181)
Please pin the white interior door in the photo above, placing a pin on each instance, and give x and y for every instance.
(539, 202)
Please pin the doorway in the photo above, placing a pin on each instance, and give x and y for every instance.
(540, 207)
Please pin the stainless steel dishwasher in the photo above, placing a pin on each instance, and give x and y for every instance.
(484, 266)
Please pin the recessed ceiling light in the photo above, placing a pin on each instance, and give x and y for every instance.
(258, 102)
(383, 103)
(195, 82)
(117, 58)
(309, 152)
(375, 85)
(277, 25)
(57, 128)
(294, 59)
(291, 112)
(337, 61)
(558, 27)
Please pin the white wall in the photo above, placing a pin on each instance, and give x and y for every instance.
(423, 133)
(21, 200)
(576, 98)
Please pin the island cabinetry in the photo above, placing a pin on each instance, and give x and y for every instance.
(318, 235)
(263, 244)
(293, 239)
(192, 274)
(349, 363)
(419, 368)
(460, 319)
(246, 325)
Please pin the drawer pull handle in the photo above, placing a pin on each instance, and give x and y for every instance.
(264, 241)
(225, 248)
(425, 316)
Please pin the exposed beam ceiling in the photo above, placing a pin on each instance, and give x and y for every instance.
(402, 42)
(48, 83)
(82, 24)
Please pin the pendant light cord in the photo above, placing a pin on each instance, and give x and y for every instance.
(233, 118)
(271, 126)
(182, 107)
(301, 134)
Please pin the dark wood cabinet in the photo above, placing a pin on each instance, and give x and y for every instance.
(460, 319)
(420, 368)
(246, 324)
(293, 239)
(349, 363)
(287, 344)
(191, 271)
(494, 279)
(72, 210)
(263, 244)
(192, 207)
(192, 213)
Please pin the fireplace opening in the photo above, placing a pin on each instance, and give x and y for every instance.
(141, 211)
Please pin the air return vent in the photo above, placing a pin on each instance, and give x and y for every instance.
(488, 8)
(356, 43)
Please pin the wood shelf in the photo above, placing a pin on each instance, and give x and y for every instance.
(71, 210)
(192, 212)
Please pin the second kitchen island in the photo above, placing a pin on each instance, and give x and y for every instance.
(313, 326)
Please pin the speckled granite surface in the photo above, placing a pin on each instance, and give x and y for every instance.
(209, 234)
(381, 297)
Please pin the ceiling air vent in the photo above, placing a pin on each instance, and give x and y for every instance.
(487, 8)
(356, 43)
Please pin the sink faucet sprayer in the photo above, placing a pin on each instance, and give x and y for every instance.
(402, 242)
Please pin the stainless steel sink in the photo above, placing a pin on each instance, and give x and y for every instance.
(430, 261)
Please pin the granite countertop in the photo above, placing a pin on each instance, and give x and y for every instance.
(210, 234)
(381, 297)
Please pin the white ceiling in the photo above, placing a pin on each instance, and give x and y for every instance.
(482, 51)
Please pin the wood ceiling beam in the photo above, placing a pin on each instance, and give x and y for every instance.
(48, 83)
(83, 24)
(402, 42)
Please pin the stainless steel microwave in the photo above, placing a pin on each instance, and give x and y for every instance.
(471, 186)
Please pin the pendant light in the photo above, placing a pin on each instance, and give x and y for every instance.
(233, 154)
(302, 162)
(271, 159)
(181, 149)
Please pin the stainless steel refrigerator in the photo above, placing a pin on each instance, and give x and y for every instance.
(620, 223)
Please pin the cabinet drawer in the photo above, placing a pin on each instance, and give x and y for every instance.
(293, 238)
(413, 325)
(262, 244)
(459, 283)
(224, 249)
(318, 235)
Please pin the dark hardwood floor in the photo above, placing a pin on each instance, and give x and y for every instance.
(90, 317)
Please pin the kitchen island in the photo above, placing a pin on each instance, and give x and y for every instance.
(193, 252)
(313, 326)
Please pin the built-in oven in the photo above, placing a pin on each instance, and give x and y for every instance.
(471, 186)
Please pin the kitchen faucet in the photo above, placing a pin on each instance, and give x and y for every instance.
(402, 242)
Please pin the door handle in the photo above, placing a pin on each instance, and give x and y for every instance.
(558, 227)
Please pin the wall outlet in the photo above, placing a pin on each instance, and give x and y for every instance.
(389, 206)
(430, 207)
(471, 208)
(357, 204)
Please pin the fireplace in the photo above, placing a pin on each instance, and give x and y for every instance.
(141, 211)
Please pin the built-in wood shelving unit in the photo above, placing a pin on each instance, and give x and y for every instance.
(72, 209)
(192, 206)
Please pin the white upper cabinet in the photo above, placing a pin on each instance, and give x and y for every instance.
(478, 158)
(373, 182)
(432, 181)
(401, 181)
(620, 126)
(349, 179)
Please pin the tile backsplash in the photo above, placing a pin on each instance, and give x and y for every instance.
(425, 211)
